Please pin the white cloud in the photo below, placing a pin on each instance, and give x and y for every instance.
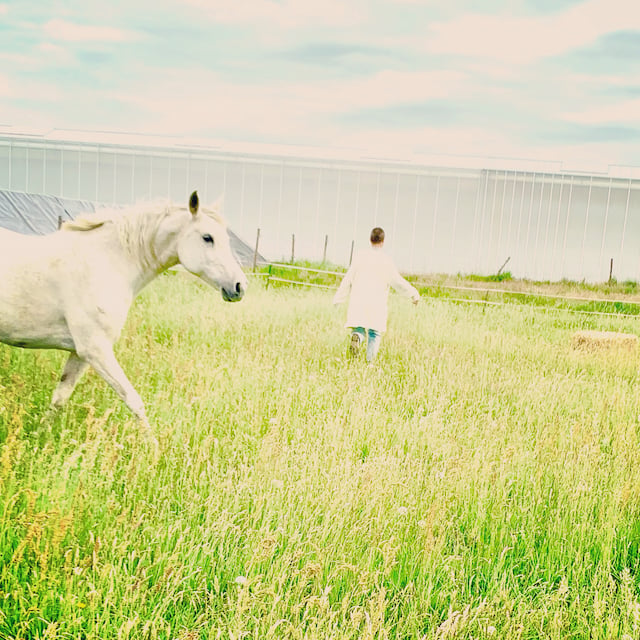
(270, 110)
(397, 87)
(489, 81)
(24, 90)
(519, 39)
(285, 14)
(5, 91)
(72, 32)
(623, 112)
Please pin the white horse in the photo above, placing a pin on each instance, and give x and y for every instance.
(72, 289)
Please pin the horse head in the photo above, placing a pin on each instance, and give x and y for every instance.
(204, 250)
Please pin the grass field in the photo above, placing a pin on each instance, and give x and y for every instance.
(480, 480)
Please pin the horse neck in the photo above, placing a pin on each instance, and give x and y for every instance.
(150, 240)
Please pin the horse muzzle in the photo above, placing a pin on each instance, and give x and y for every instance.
(235, 293)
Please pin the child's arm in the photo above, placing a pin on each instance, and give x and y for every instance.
(403, 286)
(342, 293)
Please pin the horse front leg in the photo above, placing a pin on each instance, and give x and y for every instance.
(103, 360)
(72, 372)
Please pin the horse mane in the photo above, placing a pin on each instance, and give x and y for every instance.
(136, 226)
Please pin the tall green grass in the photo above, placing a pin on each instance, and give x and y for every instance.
(480, 480)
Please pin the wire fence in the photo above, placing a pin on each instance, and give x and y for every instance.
(619, 308)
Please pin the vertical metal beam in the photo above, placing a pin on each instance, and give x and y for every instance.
(188, 185)
(299, 200)
(79, 173)
(476, 206)
(261, 197)
(115, 174)
(206, 177)
(255, 252)
(554, 251)
(279, 214)
(539, 217)
(97, 172)
(479, 236)
(150, 176)
(518, 235)
(61, 188)
(133, 177)
(415, 217)
(527, 266)
(433, 227)
(455, 217)
(566, 229)
(604, 226)
(395, 210)
(26, 168)
(546, 233)
(316, 223)
(355, 219)
(586, 224)
(224, 179)
(242, 179)
(624, 225)
(502, 205)
(513, 198)
(335, 222)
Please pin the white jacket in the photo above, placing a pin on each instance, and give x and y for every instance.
(371, 274)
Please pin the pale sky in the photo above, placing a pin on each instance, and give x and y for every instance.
(549, 80)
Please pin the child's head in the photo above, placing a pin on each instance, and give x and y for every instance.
(377, 236)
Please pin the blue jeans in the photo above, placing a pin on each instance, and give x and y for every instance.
(373, 341)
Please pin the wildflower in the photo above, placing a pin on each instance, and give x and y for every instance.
(402, 511)
(242, 580)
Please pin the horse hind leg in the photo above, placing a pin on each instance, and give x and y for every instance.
(72, 372)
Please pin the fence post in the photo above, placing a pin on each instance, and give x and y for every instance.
(59, 222)
(266, 286)
(324, 253)
(293, 247)
(610, 270)
(351, 254)
(255, 253)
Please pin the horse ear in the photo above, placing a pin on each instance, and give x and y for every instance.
(194, 203)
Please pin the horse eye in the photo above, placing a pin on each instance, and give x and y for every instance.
(207, 238)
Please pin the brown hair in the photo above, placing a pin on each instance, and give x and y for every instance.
(377, 235)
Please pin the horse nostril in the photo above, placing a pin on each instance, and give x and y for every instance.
(238, 287)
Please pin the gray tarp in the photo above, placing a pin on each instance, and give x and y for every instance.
(35, 214)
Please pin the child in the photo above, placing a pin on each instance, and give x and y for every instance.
(368, 280)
